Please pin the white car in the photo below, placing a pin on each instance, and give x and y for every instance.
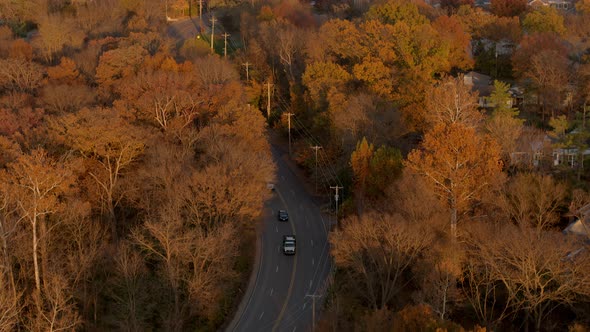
(289, 244)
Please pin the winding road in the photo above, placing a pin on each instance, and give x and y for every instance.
(277, 296)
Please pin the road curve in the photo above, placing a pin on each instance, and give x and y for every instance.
(277, 296)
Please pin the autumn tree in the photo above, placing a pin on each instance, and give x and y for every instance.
(396, 11)
(360, 163)
(363, 242)
(583, 6)
(451, 5)
(376, 75)
(10, 305)
(451, 31)
(20, 75)
(544, 19)
(66, 91)
(542, 58)
(165, 98)
(39, 182)
(504, 126)
(118, 63)
(452, 101)
(320, 76)
(458, 164)
(421, 54)
(110, 144)
(508, 8)
(385, 166)
(55, 32)
(343, 39)
(20, 49)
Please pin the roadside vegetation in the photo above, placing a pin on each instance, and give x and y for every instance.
(134, 165)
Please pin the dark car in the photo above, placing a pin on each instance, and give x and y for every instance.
(283, 215)
(289, 244)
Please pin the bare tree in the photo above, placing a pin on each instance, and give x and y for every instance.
(20, 75)
(479, 281)
(128, 290)
(441, 271)
(38, 181)
(538, 271)
(533, 200)
(452, 101)
(55, 32)
(378, 251)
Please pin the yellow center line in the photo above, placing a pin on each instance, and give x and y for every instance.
(278, 320)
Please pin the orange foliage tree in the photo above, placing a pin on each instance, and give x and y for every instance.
(458, 164)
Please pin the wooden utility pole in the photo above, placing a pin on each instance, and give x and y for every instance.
(213, 20)
(201, 11)
(313, 297)
(247, 64)
(268, 100)
(289, 124)
(336, 197)
(225, 35)
(316, 148)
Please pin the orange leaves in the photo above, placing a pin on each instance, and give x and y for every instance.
(451, 31)
(342, 38)
(376, 75)
(65, 72)
(457, 163)
(119, 63)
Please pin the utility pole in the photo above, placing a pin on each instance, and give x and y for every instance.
(336, 197)
(213, 20)
(316, 148)
(247, 64)
(268, 100)
(289, 124)
(225, 35)
(313, 297)
(201, 11)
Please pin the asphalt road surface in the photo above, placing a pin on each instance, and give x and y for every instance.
(277, 296)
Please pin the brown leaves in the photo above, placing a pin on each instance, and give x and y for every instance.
(533, 200)
(20, 75)
(458, 165)
(538, 271)
(379, 250)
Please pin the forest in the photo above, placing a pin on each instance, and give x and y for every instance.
(134, 161)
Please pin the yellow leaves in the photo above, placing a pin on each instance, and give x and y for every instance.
(377, 76)
(266, 14)
(320, 76)
(342, 38)
(544, 19)
(360, 162)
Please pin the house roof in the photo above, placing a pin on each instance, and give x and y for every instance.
(580, 227)
(479, 82)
